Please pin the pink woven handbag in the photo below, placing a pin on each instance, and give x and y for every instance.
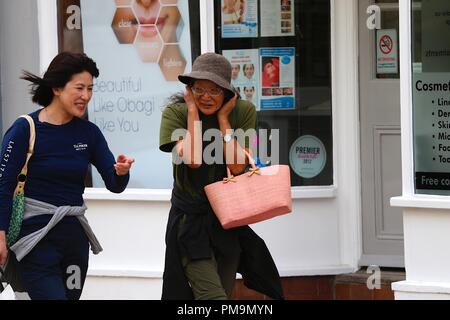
(254, 196)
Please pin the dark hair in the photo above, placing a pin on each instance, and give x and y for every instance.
(59, 72)
(176, 98)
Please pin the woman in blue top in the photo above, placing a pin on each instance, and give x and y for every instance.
(53, 245)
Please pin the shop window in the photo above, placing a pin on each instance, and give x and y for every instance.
(140, 48)
(280, 51)
(431, 95)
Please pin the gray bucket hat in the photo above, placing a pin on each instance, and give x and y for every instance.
(210, 66)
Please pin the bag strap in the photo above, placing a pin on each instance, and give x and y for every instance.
(22, 177)
(253, 170)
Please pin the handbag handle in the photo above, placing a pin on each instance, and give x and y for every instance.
(22, 177)
(252, 171)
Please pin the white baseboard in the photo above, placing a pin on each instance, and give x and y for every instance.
(147, 273)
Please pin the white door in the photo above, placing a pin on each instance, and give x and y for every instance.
(382, 225)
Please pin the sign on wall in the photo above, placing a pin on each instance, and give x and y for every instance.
(387, 51)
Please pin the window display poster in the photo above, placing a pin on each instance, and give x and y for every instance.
(307, 156)
(277, 18)
(245, 73)
(239, 18)
(435, 35)
(431, 93)
(277, 78)
(139, 56)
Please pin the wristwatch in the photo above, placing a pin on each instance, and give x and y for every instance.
(228, 137)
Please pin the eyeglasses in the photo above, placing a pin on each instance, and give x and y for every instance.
(213, 92)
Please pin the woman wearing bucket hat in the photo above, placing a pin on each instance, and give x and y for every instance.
(202, 258)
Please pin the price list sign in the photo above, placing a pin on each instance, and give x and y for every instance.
(432, 132)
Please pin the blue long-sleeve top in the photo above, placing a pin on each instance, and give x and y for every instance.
(59, 164)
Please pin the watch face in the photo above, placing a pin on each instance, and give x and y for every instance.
(227, 137)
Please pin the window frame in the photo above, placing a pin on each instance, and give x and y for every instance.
(303, 79)
(409, 197)
(48, 39)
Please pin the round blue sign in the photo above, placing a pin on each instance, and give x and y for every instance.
(286, 60)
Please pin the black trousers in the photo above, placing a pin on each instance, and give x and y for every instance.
(56, 268)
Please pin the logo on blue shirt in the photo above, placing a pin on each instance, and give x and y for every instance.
(80, 146)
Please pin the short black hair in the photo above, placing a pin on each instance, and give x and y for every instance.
(60, 71)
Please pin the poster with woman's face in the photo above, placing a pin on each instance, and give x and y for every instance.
(270, 71)
(239, 18)
(140, 47)
(277, 78)
(245, 73)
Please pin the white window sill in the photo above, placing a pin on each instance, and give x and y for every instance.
(314, 192)
(421, 201)
(422, 287)
(128, 194)
(163, 195)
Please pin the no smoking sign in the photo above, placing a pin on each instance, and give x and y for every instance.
(386, 44)
(387, 52)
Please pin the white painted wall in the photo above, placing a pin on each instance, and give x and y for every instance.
(426, 255)
(321, 236)
(19, 49)
(132, 234)
(426, 252)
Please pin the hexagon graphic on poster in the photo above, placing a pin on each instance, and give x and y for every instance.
(172, 62)
(120, 3)
(170, 24)
(146, 11)
(124, 25)
(154, 27)
(148, 43)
